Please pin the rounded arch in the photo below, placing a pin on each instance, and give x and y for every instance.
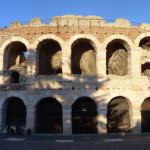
(49, 54)
(15, 54)
(14, 39)
(119, 115)
(50, 37)
(83, 57)
(49, 116)
(14, 112)
(140, 37)
(85, 98)
(127, 43)
(93, 41)
(117, 55)
(15, 95)
(123, 96)
(145, 115)
(84, 116)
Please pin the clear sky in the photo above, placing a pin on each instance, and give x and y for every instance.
(23, 10)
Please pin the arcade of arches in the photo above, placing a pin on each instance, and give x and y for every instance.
(75, 76)
(84, 114)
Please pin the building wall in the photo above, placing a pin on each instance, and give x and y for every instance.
(67, 87)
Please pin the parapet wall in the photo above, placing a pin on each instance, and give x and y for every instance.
(72, 20)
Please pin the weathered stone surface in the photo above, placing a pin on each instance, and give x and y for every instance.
(15, 24)
(35, 22)
(56, 61)
(79, 20)
(118, 63)
(87, 63)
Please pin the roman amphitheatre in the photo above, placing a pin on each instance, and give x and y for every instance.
(75, 75)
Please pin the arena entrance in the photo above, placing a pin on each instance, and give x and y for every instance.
(84, 116)
(145, 116)
(49, 116)
(15, 112)
(118, 116)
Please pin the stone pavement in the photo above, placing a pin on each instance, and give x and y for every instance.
(75, 142)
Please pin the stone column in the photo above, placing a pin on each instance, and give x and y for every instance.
(136, 120)
(31, 68)
(101, 62)
(30, 117)
(102, 119)
(66, 59)
(134, 68)
(67, 121)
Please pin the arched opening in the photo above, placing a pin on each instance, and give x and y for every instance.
(49, 57)
(15, 55)
(49, 116)
(118, 116)
(84, 116)
(146, 69)
(14, 77)
(15, 112)
(83, 58)
(145, 43)
(116, 58)
(145, 116)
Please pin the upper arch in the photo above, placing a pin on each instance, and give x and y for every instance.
(126, 41)
(94, 42)
(46, 37)
(140, 37)
(14, 39)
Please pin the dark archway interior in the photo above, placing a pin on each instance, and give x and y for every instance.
(16, 54)
(146, 69)
(15, 112)
(83, 58)
(116, 58)
(14, 77)
(49, 116)
(145, 43)
(49, 53)
(145, 116)
(118, 117)
(84, 116)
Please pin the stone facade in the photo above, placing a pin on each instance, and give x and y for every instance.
(66, 87)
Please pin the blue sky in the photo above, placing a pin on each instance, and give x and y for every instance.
(23, 10)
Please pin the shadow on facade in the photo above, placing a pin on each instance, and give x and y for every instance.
(64, 102)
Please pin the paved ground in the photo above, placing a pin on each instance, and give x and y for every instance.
(76, 142)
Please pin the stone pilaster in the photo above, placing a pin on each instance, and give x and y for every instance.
(67, 121)
(66, 59)
(102, 120)
(134, 62)
(136, 127)
(30, 117)
(31, 69)
(101, 62)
